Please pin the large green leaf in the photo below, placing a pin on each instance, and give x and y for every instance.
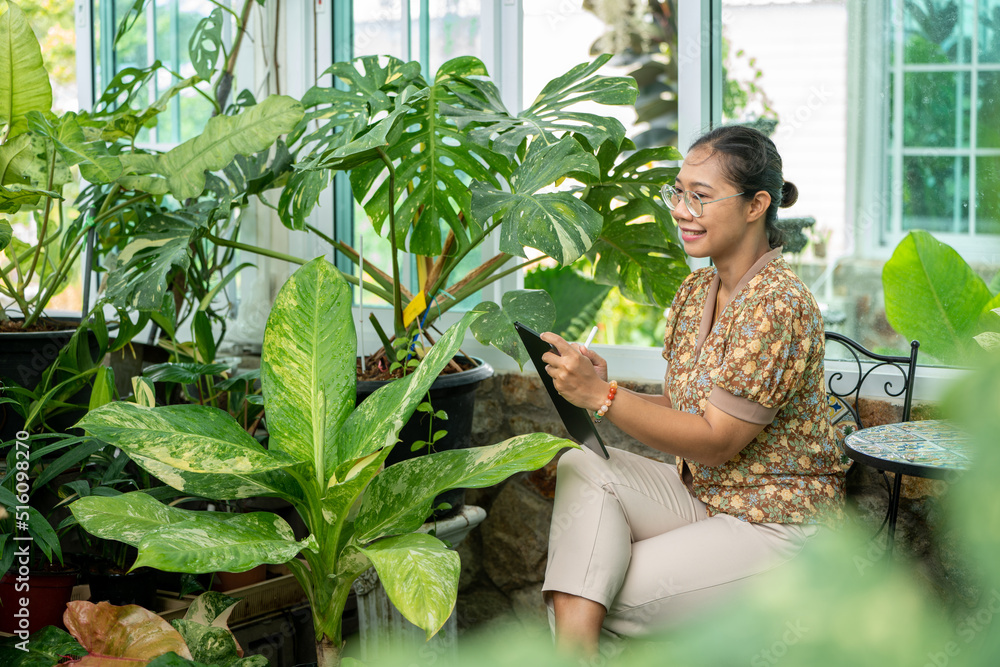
(47, 647)
(533, 308)
(120, 635)
(932, 295)
(234, 544)
(224, 138)
(129, 517)
(308, 366)
(434, 162)
(557, 223)
(6, 234)
(638, 257)
(96, 165)
(376, 422)
(160, 245)
(400, 498)
(549, 117)
(577, 298)
(420, 576)
(24, 82)
(196, 449)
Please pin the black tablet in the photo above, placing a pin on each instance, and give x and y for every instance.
(576, 419)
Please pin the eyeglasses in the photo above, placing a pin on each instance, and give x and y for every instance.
(695, 206)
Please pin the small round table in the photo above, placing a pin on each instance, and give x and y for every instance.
(932, 448)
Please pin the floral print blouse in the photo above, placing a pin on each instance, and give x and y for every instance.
(761, 362)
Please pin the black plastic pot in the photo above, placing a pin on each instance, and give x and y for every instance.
(454, 393)
(121, 588)
(26, 356)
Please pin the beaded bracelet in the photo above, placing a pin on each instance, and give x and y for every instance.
(603, 410)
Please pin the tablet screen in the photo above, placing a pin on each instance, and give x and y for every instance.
(576, 419)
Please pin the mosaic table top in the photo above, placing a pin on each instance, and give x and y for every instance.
(930, 444)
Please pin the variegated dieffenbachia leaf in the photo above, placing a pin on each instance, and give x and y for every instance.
(129, 517)
(196, 449)
(308, 366)
(531, 307)
(420, 576)
(400, 498)
(234, 544)
(224, 138)
(349, 482)
(557, 223)
(376, 422)
(126, 634)
(549, 117)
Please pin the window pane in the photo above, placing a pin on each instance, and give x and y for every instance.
(931, 115)
(455, 30)
(933, 32)
(988, 195)
(378, 28)
(989, 31)
(988, 113)
(935, 194)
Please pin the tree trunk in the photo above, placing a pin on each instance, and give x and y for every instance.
(328, 653)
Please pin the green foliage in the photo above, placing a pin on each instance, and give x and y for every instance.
(932, 295)
(325, 457)
(577, 298)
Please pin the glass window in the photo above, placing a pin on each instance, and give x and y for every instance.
(161, 32)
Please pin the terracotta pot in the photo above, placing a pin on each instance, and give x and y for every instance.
(46, 594)
(227, 581)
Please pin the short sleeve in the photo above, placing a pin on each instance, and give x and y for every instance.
(768, 351)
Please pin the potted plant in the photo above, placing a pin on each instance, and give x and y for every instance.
(104, 633)
(325, 457)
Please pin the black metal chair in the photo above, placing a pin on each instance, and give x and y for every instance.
(840, 386)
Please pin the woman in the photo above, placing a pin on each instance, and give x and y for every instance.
(637, 544)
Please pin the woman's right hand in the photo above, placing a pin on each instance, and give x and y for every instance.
(600, 365)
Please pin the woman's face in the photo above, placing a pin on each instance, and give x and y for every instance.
(723, 225)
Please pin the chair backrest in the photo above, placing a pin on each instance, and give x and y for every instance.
(840, 386)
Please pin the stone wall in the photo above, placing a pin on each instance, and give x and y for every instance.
(503, 561)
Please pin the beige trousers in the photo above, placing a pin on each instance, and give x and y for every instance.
(627, 533)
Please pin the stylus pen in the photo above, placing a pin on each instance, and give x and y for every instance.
(590, 338)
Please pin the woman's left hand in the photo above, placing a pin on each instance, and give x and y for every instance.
(573, 374)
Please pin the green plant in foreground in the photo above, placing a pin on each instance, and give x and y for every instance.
(933, 295)
(325, 457)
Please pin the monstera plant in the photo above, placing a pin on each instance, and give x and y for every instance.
(324, 457)
(441, 168)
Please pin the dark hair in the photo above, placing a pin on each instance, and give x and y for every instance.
(751, 163)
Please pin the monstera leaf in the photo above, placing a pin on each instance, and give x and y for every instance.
(224, 138)
(139, 277)
(434, 162)
(205, 44)
(577, 298)
(24, 82)
(371, 86)
(549, 116)
(96, 165)
(533, 308)
(557, 223)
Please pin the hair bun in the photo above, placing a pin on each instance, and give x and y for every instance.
(789, 194)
